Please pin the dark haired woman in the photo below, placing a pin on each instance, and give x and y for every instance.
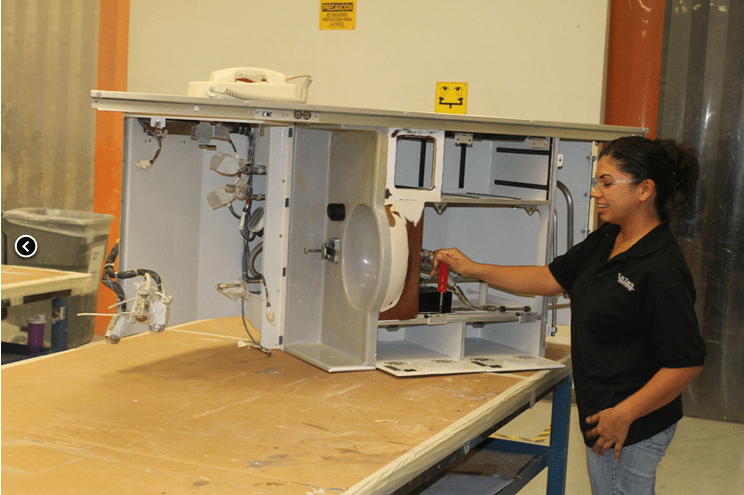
(635, 342)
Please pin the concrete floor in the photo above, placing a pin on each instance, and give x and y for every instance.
(705, 457)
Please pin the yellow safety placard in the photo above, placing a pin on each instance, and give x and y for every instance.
(451, 97)
(337, 15)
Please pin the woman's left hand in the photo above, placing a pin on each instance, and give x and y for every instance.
(612, 430)
(613, 423)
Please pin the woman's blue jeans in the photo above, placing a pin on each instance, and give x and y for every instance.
(635, 472)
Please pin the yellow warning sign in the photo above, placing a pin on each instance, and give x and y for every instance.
(451, 97)
(337, 15)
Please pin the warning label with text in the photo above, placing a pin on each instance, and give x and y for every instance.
(337, 15)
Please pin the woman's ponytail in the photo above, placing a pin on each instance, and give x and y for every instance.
(686, 169)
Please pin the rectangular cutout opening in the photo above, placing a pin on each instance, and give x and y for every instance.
(415, 158)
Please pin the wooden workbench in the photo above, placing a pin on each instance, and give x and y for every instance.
(20, 283)
(191, 411)
(26, 284)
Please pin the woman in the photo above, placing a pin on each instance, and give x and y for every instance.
(635, 341)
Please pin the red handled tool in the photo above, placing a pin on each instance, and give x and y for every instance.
(443, 274)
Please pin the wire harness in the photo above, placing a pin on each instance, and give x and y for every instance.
(150, 306)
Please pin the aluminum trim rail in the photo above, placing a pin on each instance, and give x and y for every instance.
(281, 113)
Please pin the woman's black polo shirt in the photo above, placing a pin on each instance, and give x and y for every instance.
(630, 316)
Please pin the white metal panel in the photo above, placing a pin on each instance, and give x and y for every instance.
(168, 226)
(277, 144)
(332, 317)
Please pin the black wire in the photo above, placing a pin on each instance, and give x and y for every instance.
(109, 273)
(141, 272)
(120, 296)
(232, 210)
(245, 325)
(245, 233)
(157, 134)
(248, 237)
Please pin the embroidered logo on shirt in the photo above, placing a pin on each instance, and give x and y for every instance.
(625, 282)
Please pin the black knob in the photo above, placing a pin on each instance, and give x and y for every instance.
(336, 212)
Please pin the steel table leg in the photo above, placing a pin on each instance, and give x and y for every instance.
(59, 324)
(560, 421)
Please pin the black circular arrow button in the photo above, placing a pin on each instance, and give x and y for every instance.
(26, 246)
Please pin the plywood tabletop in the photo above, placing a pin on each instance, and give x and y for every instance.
(21, 281)
(191, 411)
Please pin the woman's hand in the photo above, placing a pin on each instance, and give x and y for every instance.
(458, 262)
(521, 279)
(613, 423)
(611, 430)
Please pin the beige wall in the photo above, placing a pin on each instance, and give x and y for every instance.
(526, 59)
(49, 64)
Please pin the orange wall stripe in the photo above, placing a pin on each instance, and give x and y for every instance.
(634, 63)
(113, 51)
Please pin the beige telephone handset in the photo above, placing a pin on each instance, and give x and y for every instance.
(250, 83)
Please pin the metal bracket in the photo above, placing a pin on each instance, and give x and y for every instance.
(330, 251)
(462, 139)
(437, 319)
(287, 115)
(439, 207)
(528, 317)
(204, 132)
(158, 122)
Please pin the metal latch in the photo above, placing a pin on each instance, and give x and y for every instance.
(330, 250)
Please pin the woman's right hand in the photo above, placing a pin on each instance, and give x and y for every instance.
(520, 279)
(458, 262)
